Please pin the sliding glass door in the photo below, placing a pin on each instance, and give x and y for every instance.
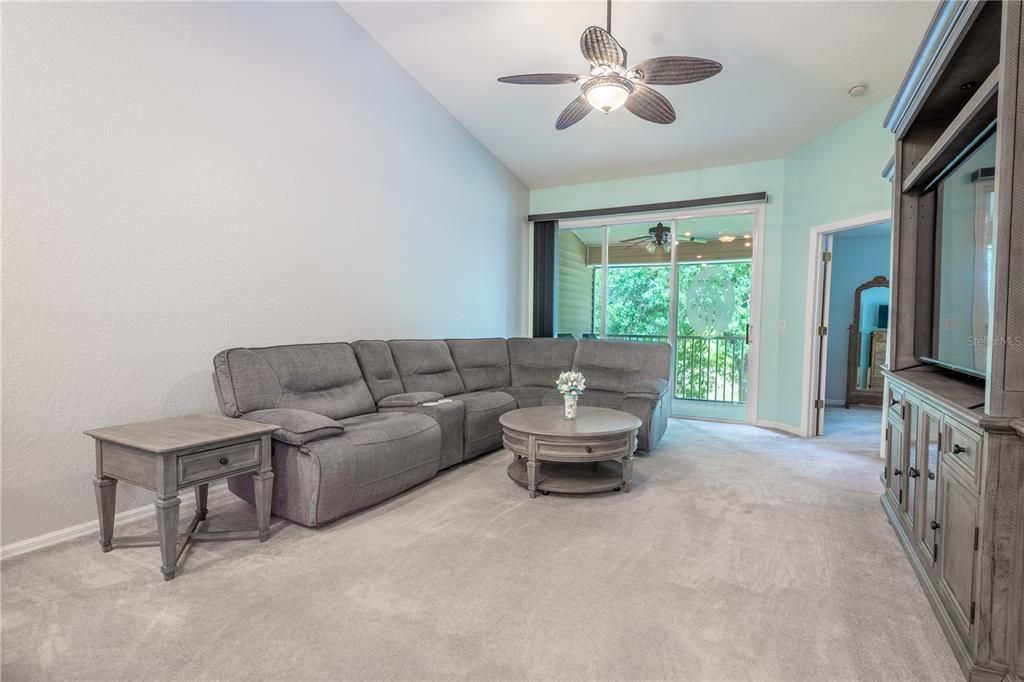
(688, 280)
(639, 283)
(714, 277)
(578, 311)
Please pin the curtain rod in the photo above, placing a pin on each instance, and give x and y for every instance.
(646, 208)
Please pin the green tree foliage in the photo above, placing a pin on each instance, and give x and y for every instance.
(709, 366)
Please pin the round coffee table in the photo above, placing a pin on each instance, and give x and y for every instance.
(589, 454)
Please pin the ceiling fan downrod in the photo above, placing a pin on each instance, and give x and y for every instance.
(609, 29)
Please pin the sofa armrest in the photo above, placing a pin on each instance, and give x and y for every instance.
(297, 427)
(652, 389)
(410, 399)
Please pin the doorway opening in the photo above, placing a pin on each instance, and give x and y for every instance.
(847, 327)
(687, 278)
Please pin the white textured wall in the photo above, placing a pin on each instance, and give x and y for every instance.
(182, 178)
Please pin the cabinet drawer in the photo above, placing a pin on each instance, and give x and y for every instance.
(582, 450)
(219, 462)
(962, 449)
(895, 403)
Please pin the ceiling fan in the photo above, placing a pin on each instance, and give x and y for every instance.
(611, 84)
(659, 237)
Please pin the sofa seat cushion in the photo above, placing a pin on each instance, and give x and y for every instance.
(377, 457)
(483, 409)
(589, 398)
(384, 426)
(528, 396)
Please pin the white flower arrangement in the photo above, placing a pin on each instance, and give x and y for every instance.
(571, 383)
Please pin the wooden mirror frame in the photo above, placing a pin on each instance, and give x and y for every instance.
(855, 395)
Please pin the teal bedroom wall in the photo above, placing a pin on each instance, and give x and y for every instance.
(837, 176)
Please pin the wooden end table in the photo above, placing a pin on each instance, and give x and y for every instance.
(592, 453)
(168, 455)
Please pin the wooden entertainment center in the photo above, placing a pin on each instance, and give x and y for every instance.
(954, 443)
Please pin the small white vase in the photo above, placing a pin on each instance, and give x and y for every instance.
(570, 405)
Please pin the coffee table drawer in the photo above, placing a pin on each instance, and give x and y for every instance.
(218, 462)
(583, 450)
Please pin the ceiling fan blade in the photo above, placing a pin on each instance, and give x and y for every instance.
(694, 240)
(599, 47)
(634, 239)
(541, 79)
(574, 113)
(676, 70)
(650, 105)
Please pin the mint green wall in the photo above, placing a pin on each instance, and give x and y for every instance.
(835, 177)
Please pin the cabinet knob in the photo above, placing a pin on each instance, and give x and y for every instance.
(223, 461)
(957, 449)
(931, 475)
(935, 525)
(893, 402)
(913, 473)
(897, 472)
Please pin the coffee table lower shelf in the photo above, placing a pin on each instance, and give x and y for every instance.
(570, 477)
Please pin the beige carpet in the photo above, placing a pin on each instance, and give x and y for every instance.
(740, 554)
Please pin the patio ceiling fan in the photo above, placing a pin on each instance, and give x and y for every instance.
(659, 237)
(610, 84)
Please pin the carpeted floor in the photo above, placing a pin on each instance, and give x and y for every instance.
(740, 554)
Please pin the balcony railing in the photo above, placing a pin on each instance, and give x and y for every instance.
(712, 368)
(644, 338)
(709, 368)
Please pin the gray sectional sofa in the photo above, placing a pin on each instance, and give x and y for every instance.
(362, 422)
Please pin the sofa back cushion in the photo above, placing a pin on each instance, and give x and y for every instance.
(320, 377)
(379, 369)
(538, 362)
(482, 363)
(618, 365)
(426, 366)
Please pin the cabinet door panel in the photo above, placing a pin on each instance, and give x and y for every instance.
(931, 428)
(958, 523)
(895, 465)
(911, 434)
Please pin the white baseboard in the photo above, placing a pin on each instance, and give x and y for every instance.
(93, 527)
(779, 426)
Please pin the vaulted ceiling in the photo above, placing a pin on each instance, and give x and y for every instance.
(788, 66)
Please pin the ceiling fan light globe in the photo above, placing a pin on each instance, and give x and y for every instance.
(650, 247)
(607, 93)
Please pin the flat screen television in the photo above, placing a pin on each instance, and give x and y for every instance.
(964, 228)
